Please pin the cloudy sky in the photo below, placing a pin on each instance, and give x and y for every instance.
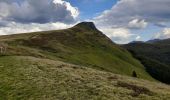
(121, 20)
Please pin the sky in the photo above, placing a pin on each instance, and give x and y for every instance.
(122, 21)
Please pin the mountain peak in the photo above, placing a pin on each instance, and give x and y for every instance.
(89, 25)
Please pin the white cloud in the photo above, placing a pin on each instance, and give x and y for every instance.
(38, 11)
(137, 38)
(138, 24)
(126, 15)
(14, 28)
(164, 34)
(137, 12)
(118, 35)
(21, 16)
(74, 11)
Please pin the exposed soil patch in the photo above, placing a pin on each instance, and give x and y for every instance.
(137, 90)
(112, 78)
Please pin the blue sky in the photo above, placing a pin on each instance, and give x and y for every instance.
(91, 8)
(121, 20)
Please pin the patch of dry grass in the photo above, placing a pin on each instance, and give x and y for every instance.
(24, 78)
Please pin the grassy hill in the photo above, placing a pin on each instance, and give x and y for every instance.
(155, 56)
(79, 63)
(31, 78)
(82, 44)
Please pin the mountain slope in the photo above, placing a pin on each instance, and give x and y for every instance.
(155, 56)
(82, 44)
(30, 78)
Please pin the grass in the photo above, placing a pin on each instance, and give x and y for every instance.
(81, 45)
(30, 78)
(78, 63)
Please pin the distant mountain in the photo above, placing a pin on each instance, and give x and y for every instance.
(153, 41)
(155, 56)
(160, 41)
(136, 42)
(164, 42)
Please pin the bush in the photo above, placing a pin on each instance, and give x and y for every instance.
(134, 74)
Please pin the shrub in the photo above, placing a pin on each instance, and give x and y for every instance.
(134, 74)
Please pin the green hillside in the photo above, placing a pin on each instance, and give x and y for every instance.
(82, 44)
(155, 56)
(31, 78)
